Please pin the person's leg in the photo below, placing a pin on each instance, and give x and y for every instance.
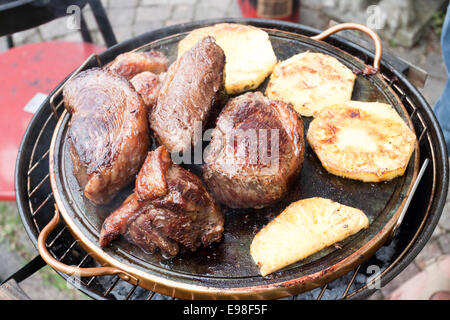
(442, 107)
(432, 283)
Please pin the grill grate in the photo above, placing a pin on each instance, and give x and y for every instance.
(357, 283)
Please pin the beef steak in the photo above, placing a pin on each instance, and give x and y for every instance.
(256, 150)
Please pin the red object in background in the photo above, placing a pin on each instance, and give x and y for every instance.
(277, 10)
(26, 71)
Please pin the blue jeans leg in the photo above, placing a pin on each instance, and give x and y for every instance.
(442, 107)
(442, 112)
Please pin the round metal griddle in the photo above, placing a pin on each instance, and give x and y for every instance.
(225, 269)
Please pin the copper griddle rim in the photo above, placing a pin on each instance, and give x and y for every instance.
(273, 290)
(29, 159)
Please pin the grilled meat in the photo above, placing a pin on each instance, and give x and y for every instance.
(129, 64)
(192, 89)
(256, 150)
(147, 84)
(169, 206)
(108, 132)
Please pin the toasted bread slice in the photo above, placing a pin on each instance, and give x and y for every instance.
(311, 81)
(303, 228)
(365, 141)
(248, 51)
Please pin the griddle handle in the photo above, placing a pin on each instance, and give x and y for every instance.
(72, 270)
(356, 26)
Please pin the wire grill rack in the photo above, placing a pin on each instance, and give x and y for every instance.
(36, 203)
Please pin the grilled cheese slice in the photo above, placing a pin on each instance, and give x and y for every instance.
(249, 54)
(311, 81)
(366, 141)
(302, 229)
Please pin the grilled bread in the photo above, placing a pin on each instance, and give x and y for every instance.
(303, 228)
(365, 141)
(248, 51)
(311, 81)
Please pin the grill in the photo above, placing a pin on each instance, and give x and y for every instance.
(422, 211)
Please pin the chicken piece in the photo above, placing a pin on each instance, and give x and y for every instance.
(256, 151)
(129, 64)
(192, 90)
(169, 206)
(148, 84)
(108, 132)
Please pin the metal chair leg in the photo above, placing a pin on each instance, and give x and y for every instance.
(27, 270)
(84, 30)
(103, 22)
(9, 41)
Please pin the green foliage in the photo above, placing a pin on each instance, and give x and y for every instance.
(437, 20)
(12, 234)
(51, 278)
(10, 225)
(392, 43)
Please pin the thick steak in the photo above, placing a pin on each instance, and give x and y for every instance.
(192, 89)
(108, 132)
(256, 150)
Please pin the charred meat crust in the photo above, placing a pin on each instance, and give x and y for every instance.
(193, 86)
(148, 84)
(170, 206)
(239, 178)
(129, 64)
(151, 181)
(108, 132)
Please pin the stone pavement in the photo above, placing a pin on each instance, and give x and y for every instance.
(133, 17)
